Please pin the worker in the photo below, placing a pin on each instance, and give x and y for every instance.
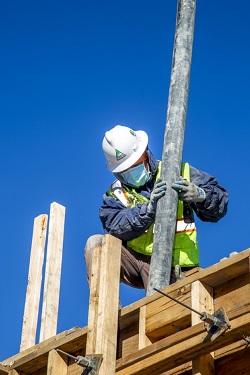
(129, 206)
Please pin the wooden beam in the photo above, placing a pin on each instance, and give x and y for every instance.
(52, 272)
(107, 321)
(182, 347)
(202, 301)
(35, 358)
(57, 364)
(33, 291)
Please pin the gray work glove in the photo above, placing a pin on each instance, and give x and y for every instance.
(159, 190)
(188, 192)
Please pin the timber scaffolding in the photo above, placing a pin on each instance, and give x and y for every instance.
(156, 334)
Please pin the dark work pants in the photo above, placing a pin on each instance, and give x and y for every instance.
(134, 266)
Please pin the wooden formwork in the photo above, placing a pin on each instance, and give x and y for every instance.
(160, 336)
(154, 335)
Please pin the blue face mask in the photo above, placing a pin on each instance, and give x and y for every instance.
(136, 176)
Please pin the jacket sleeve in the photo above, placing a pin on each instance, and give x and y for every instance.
(122, 222)
(214, 207)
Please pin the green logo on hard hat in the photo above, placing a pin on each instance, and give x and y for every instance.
(119, 155)
(132, 132)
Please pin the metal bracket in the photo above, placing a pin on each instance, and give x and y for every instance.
(91, 363)
(215, 324)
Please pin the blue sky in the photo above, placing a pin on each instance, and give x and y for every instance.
(72, 70)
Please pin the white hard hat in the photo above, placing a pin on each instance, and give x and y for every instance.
(122, 147)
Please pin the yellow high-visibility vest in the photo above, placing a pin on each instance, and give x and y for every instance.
(185, 249)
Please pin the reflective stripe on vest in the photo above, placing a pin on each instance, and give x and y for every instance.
(185, 251)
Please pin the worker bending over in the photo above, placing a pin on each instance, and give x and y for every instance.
(129, 206)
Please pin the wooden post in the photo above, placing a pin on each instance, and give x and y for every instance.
(34, 282)
(103, 327)
(52, 272)
(56, 364)
(202, 300)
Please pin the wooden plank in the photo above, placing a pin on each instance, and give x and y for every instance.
(230, 349)
(165, 316)
(226, 270)
(36, 357)
(183, 369)
(128, 340)
(233, 293)
(93, 300)
(143, 338)
(52, 272)
(237, 363)
(202, 300)
(33, 291)
(182, 347)
(57, 364)
(129, 315)
(107, 323)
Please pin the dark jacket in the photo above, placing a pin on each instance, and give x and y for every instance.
(128, 223)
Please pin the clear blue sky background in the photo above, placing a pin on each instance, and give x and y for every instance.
(70, 70)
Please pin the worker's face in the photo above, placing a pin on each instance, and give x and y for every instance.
(142, 159)
(138, 174)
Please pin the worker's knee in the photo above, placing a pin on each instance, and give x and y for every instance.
(92, 242)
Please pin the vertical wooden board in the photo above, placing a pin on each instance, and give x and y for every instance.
(143, 338)
(107, 324)
(33, 291)
(93, 300)
(56, 364)
(52, 272)
(202, 300)
(128, 341)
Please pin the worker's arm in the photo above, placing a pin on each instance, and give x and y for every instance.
(122, 222)
(129, 223)
(214, 207)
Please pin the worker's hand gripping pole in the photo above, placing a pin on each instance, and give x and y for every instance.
(165, 222)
